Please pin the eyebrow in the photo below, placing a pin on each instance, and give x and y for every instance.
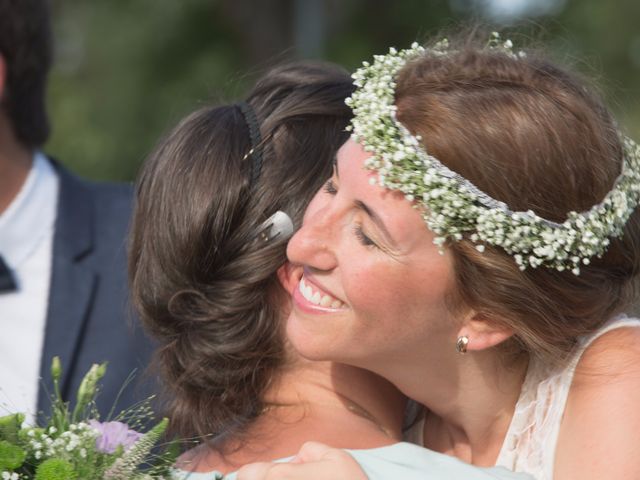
(360, 205)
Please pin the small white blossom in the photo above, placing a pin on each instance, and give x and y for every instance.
(453, 204)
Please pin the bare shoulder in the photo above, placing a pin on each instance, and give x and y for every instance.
(613, 356)
(600, 428)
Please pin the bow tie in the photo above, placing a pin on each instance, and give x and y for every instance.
(7, 282)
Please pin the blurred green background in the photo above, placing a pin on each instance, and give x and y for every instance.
(127, 70)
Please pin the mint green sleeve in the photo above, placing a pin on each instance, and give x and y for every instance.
(184, 475)
(406, 461)
(401, 461)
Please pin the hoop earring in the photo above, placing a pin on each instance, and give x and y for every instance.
(461, 344)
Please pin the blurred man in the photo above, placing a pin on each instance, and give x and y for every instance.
(62, 242)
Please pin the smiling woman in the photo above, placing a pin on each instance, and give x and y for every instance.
(526, 265)
(353, 236)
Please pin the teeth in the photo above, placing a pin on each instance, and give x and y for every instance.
(317, 298)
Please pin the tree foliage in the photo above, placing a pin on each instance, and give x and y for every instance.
(127, 70)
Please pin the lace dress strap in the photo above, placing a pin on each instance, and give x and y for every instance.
(531, 439)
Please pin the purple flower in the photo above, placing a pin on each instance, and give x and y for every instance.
(114, 434)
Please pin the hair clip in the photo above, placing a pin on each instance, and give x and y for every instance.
(278, 225)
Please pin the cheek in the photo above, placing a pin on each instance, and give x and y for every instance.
(394, 299)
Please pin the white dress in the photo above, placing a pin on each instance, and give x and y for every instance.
(530, 443)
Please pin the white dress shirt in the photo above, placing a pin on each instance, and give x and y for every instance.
(26, 244)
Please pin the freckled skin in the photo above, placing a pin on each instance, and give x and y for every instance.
(394, 294)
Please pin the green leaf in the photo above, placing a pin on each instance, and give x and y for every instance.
(10, 426)
(11, 456)
(55, 469)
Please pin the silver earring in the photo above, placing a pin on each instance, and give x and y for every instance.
(461, 344)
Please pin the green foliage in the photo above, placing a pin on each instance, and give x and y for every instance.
(55, 469)
(10, 426)
(126, 71)
(11, 456)
(73, 446)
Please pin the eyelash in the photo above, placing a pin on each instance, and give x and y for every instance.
(362, 238)
(330, 188)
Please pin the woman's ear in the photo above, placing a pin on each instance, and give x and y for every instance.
(483, 332)
(289, 276)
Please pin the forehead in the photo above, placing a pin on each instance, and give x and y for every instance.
(350, 162)
(402, 220)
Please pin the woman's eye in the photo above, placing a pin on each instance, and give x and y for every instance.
(363, 238)
(330, 187)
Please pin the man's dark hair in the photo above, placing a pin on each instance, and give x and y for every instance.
(26, 46)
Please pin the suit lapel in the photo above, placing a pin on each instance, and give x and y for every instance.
(72, 282)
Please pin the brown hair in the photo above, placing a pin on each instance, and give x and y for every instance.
(204, 284)
(535, 136)
(26, 46)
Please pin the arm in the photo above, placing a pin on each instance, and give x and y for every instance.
(600, 430)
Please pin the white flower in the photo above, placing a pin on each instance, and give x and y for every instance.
(454, 204)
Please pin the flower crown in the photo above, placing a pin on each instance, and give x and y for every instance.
(452, 205)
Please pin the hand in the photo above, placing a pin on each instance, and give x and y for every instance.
(315, 461)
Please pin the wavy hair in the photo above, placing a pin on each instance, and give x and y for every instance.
(204, 284)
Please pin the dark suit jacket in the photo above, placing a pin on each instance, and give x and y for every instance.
(88, 317)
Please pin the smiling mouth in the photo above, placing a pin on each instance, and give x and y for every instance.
(317, 297)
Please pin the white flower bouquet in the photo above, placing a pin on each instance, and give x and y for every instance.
(75, 445)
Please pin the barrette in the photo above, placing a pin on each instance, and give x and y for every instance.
(278, 225)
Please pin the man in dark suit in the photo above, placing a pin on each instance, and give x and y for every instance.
(62, 244)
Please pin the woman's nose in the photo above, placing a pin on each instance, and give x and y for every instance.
(312, 245)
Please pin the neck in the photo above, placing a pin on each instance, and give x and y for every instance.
(338, 405)
(15, 163)
(470, 402)
(349, 390)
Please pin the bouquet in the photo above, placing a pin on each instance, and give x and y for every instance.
(76, 445)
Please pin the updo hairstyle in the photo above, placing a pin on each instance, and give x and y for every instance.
(203, 282)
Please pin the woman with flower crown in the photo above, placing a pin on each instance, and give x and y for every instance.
(481, 235)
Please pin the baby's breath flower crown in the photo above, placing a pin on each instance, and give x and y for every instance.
(453, 206)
